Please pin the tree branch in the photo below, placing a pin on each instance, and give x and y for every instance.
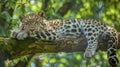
(45, 5)
(64, 9)
(16, 48)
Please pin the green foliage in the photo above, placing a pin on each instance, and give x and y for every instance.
(11, 63)
(74, 59)
(106, 10)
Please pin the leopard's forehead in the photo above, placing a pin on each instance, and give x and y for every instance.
(32, 16)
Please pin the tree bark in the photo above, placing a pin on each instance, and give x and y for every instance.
(45, 5)
(15, 48)
(65, 8)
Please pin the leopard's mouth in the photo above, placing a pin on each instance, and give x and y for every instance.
(33, 34)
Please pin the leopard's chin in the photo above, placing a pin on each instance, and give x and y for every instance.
(32, 34)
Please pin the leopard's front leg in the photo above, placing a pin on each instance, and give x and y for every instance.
(19, 34)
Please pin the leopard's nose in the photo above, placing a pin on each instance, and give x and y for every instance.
(32, 29)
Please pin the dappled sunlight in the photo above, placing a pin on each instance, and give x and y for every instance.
(105, 10)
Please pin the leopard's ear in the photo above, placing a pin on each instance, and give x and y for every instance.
(22, 16)
(41, 13)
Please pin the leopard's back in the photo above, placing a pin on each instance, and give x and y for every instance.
(91, 29)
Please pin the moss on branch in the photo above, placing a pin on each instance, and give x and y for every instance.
(16, 48)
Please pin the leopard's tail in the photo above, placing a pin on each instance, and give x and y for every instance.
(112, 48)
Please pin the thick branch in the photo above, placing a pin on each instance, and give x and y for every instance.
(16, 48)
(65, 8)
(45, 4)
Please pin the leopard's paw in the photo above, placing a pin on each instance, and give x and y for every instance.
(89, 53)
(20, 35)
(14, 33)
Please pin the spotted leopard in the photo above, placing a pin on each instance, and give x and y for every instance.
(36, 25)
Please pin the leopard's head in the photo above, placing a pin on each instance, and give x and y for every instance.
(32, 23)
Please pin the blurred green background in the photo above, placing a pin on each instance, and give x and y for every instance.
(106, 10)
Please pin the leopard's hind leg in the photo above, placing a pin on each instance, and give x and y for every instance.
(92, 41)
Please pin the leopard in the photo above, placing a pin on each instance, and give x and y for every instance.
(36, 25)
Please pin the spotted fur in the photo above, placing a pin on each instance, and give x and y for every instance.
(36, 24)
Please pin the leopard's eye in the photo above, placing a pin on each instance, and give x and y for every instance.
(35, 22)
(25, 22)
